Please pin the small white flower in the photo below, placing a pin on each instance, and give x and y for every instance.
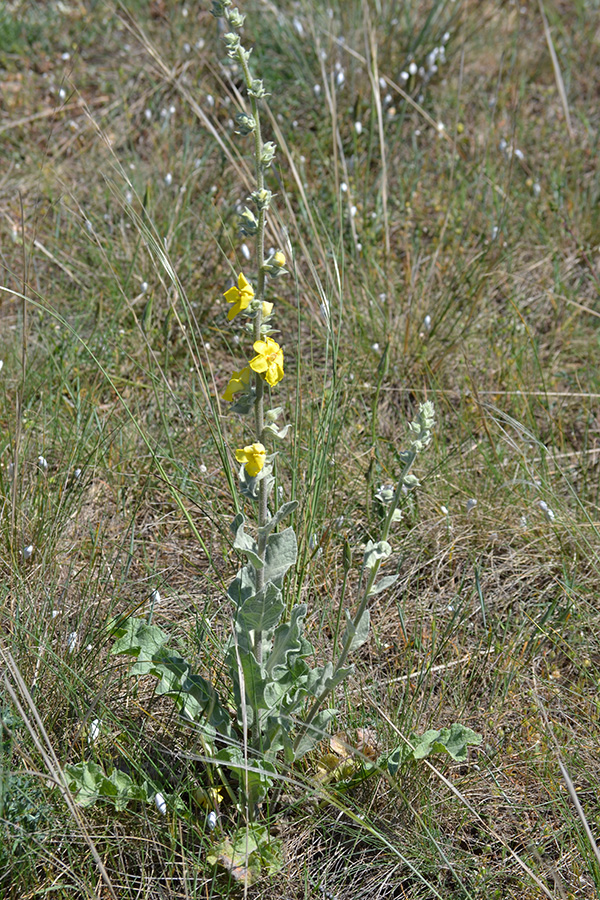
(155, 596)
(144, 287)
(147, 114)
(168, 179)
(65, 56)
(519, 154)
(412, 69)
(55, 613)
(1, 364)
(28, 551)
(343, 187)
(42, 463)
(207, 345)
(211, 820)
(471, 504)
(353, 211)
(245, 249)
(495, 231)
(358, 127)
(445, 37)
(317, 89)
(537, 190)
(444, 510)
(427, 322)
(94, 732)
(77, 473)
(187, 48)
(72, 641)
(203, 470)
(161, 804)
(210, 100)
(375, 346)
(440, 127)
(340, 78)
(129, 197)
(62, 93)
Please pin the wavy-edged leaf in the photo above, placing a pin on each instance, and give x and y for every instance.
(374, 552)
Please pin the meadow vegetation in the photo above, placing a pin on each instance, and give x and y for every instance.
(436, 197)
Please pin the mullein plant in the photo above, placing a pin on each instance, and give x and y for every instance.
(278, 705)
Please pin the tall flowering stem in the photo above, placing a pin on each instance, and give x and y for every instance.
(267, 365)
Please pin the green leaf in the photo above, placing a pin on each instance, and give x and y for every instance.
(316, 731)
(383, 584)
(245, 543)
(287, 643)
(261, 612)
(373, 552)
(281, 554)
(137, 638)
(282, 513)
(194, 696)
(456, 740)
(359, 632)
(243, 585)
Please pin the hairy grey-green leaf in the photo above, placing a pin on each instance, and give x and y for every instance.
(373, 552)
(243, 585)
(245, 543)
(286, 510)
(357, 632)
(253, 676)
(281, 554)
(261, 612)
(137, 638)
(383, 584)
(316, 731)
(287, 643)
(194, 696)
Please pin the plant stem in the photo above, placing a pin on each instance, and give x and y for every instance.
(318, 702)
(259, 403)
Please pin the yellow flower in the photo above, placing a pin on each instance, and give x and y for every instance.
(267, 309)
(253, 457)
(241, 296)
(279, 259)
(268, 361)
(238, 382)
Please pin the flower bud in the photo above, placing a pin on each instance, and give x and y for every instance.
(232, 42)
(235, 17)
(245, 123)
(267, 154)
(274, 265)
(249, 222)
(257, 89)
(262, 198)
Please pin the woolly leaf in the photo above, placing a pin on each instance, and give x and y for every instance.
(374, 552)
(357, 632)
(261, 612)
(383, 584)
